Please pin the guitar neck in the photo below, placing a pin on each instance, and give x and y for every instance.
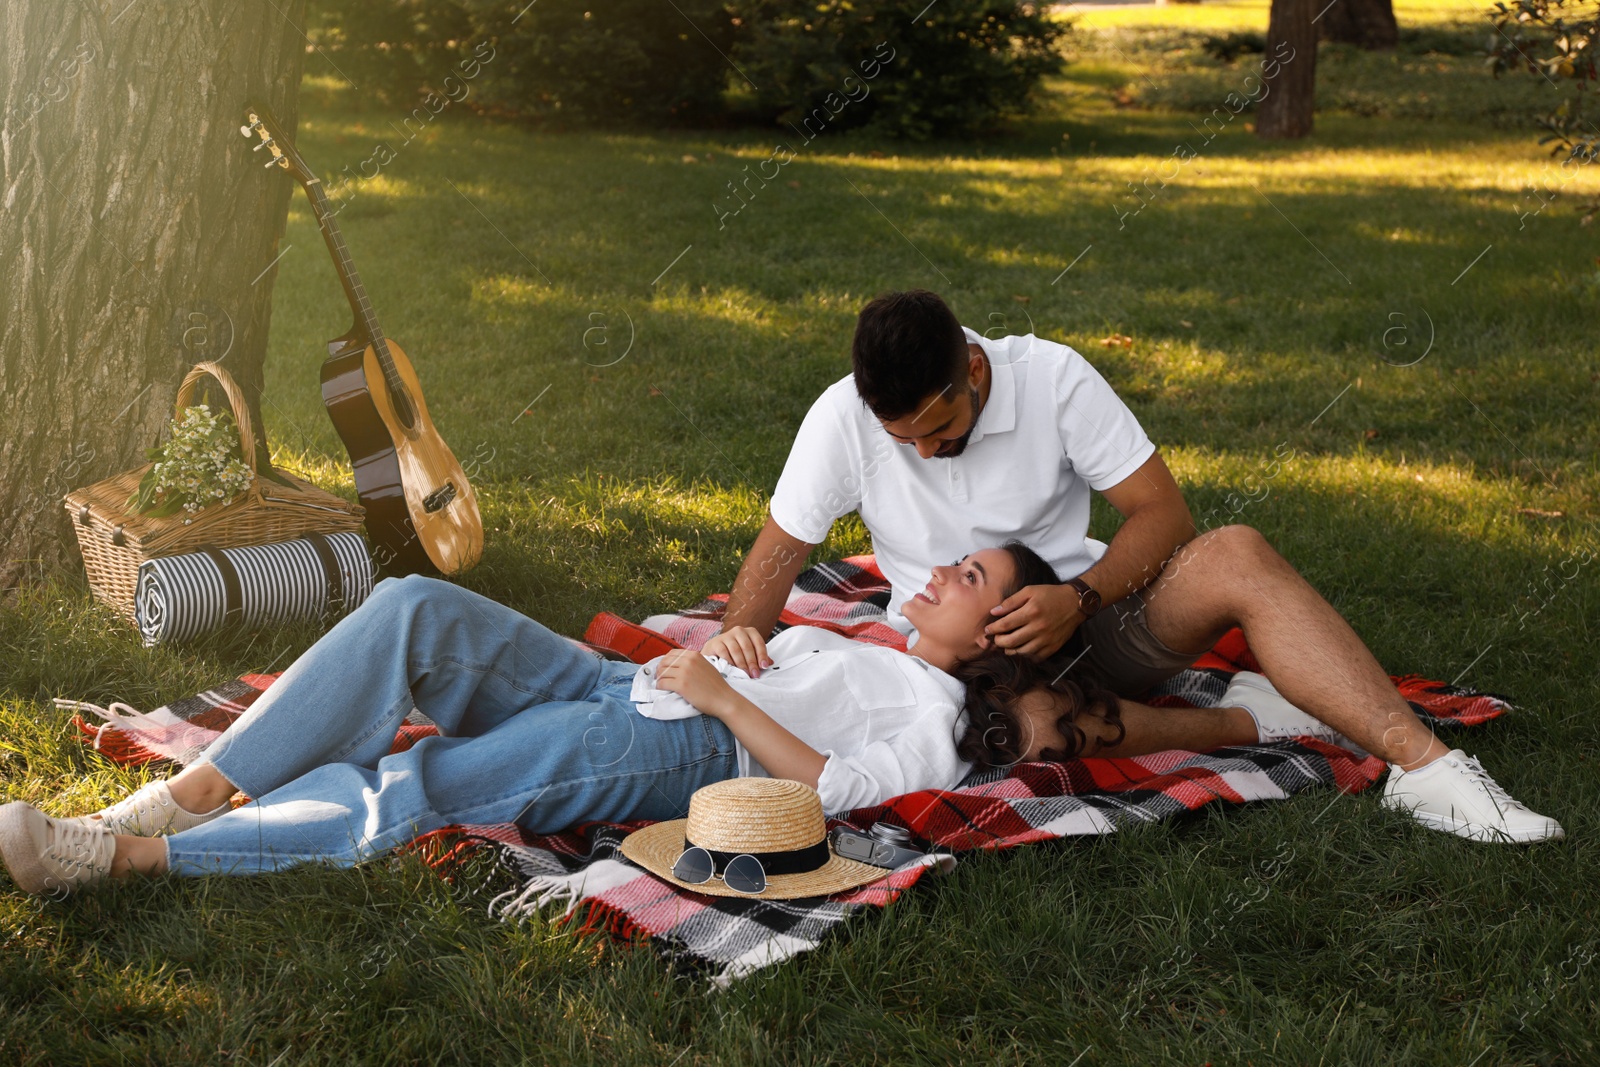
(366, 322)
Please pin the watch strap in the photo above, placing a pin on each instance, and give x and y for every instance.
(1087, 596)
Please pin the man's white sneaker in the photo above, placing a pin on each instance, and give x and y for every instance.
(1276, 718)
(147, 812)
(54, 856)
(1455, 794)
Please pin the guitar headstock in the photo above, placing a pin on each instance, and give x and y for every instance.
(261, 123)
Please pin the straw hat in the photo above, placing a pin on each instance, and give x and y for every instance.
(772, 819)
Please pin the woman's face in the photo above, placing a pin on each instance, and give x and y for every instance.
(954, 607)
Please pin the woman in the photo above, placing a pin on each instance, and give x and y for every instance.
(533, 730)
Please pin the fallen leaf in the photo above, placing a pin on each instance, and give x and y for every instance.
(1116, 340)
(875, 154)
(1541, 513)
(689, 157)
(1022, 299)
(1370, 434)
(1186, 324)
(794, 183)
(654, 391)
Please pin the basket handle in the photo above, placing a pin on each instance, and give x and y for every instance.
(241, 410)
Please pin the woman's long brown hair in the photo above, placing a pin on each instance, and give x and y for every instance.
(998, 733)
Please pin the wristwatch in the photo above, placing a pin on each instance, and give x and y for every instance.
(1088, 597)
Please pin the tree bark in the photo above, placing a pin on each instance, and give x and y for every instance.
(140, 233)
(1368, 24)
(1289, 71)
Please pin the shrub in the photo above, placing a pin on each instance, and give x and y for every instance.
(389, 50)
(1229, 47)
(612, 62)
(905, 67)
(1557, 40)
(590, 62)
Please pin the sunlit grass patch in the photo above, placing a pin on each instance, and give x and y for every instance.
(1252, 14)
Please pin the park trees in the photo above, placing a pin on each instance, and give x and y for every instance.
(1364, 23)
(1289, 91)
(139, 233)
(1293, 30)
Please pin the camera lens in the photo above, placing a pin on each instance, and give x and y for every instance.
(891, 834)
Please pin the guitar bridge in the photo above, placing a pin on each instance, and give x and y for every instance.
(439, 498)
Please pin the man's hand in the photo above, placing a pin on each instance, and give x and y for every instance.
(1036, 620)
(689, 674)
(741, 646)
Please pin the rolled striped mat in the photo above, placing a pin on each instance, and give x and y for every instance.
(320, 576)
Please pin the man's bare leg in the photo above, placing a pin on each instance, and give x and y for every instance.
(1232, 577)
(1144, 729)
(1159, 729)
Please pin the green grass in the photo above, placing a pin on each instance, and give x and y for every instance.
(1259, 286)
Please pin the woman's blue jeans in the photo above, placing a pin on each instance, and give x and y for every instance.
(535, 730)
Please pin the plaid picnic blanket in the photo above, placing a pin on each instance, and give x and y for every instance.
(583, 868)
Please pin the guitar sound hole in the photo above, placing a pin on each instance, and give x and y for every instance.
(403, 411)
(439, 498)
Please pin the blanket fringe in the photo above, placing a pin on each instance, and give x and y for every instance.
(524, 902)
(128, 718)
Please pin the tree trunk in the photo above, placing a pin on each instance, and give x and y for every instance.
(1288, 71)
(1369, 24)
(139, 230)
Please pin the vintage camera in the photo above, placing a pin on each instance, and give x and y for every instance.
(885, 845)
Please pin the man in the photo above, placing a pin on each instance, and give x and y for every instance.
(945, 441)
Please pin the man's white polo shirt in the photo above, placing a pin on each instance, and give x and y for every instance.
(1051, 430)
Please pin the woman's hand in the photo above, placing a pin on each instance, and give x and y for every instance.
(741, 646)
(689, 674)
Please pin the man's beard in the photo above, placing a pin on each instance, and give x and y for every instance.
(959, 445)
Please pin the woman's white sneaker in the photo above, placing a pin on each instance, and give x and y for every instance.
(1455, 794)
(1276, 718)
(54, 856)
(149, 811)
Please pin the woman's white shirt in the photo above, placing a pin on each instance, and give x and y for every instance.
(886, 721)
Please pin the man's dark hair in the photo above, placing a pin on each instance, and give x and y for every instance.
(908, 346)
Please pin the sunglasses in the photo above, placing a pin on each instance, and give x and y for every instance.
(743, 874)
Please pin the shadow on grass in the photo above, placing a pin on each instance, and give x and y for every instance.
(1407, 566)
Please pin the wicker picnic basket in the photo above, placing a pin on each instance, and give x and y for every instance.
(114, 541)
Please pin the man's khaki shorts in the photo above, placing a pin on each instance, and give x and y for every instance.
(1115, 650)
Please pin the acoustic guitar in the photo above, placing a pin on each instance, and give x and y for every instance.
(422, 514)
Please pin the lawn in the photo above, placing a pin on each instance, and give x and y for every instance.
(622, 376)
